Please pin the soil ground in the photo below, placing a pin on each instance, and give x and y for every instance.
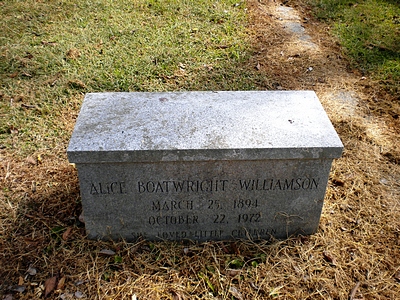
(354, 255)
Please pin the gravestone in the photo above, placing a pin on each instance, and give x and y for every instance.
(202, 165)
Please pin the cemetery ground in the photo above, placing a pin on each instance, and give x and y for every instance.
(53, 52)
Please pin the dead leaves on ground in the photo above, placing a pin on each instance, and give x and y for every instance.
(50, 285)
(54, 285)
(73, 54)
(235, 293)
(329, 258)
(106, 252)
(76, 84)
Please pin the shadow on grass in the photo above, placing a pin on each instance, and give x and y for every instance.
(41, 218)
(370, 33)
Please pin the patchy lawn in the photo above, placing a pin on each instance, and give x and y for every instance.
(53, 52)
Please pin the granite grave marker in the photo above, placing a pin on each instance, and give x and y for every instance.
(203, 165)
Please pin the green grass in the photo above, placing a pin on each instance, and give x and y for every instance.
(51, 52)
(370, 32)
(124, 45)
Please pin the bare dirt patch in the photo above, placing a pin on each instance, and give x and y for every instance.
(354, 255)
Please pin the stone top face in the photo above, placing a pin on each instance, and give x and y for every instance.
(201, 126)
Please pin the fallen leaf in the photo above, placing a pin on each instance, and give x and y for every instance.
(31, 271)
(61, 283)
(28, 241)
(79, 282)
(73, 53)
(258, 66)
(235, 293)
(329, 258)
(31, 160)
(354, 291)
(76, 84)
(18, 288)
(79, 295)
(8, 297)
(107, 252)
(20, 280)
(67, 233)
(233, 272)
(81, 218)
(66, 296)
(13, 75)
(49, 285)
(338, 182)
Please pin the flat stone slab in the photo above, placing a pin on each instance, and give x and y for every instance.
(203, 165)
(292, 25)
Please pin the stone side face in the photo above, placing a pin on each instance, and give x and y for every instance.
(202, 165)
(203, 200)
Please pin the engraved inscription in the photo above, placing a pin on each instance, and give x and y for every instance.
(279, 184)
(181, 186)
(177, 209)
(173, 235)
(173, 220)
(217, 233)
(256, 232)
(188, 186)
(249, 218)
(207, 234)
(202, 186)
(172, 205)
(245, 203)
(214, 204)
(219, 218)
(190, 234)
(103, 188)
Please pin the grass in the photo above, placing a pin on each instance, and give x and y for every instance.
(369, 30)
(52, 52)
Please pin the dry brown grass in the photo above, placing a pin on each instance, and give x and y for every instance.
(354, 255)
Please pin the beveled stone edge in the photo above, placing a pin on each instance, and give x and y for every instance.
(155, 156)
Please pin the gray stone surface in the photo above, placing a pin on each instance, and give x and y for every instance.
(292, 24)
(202, 165)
